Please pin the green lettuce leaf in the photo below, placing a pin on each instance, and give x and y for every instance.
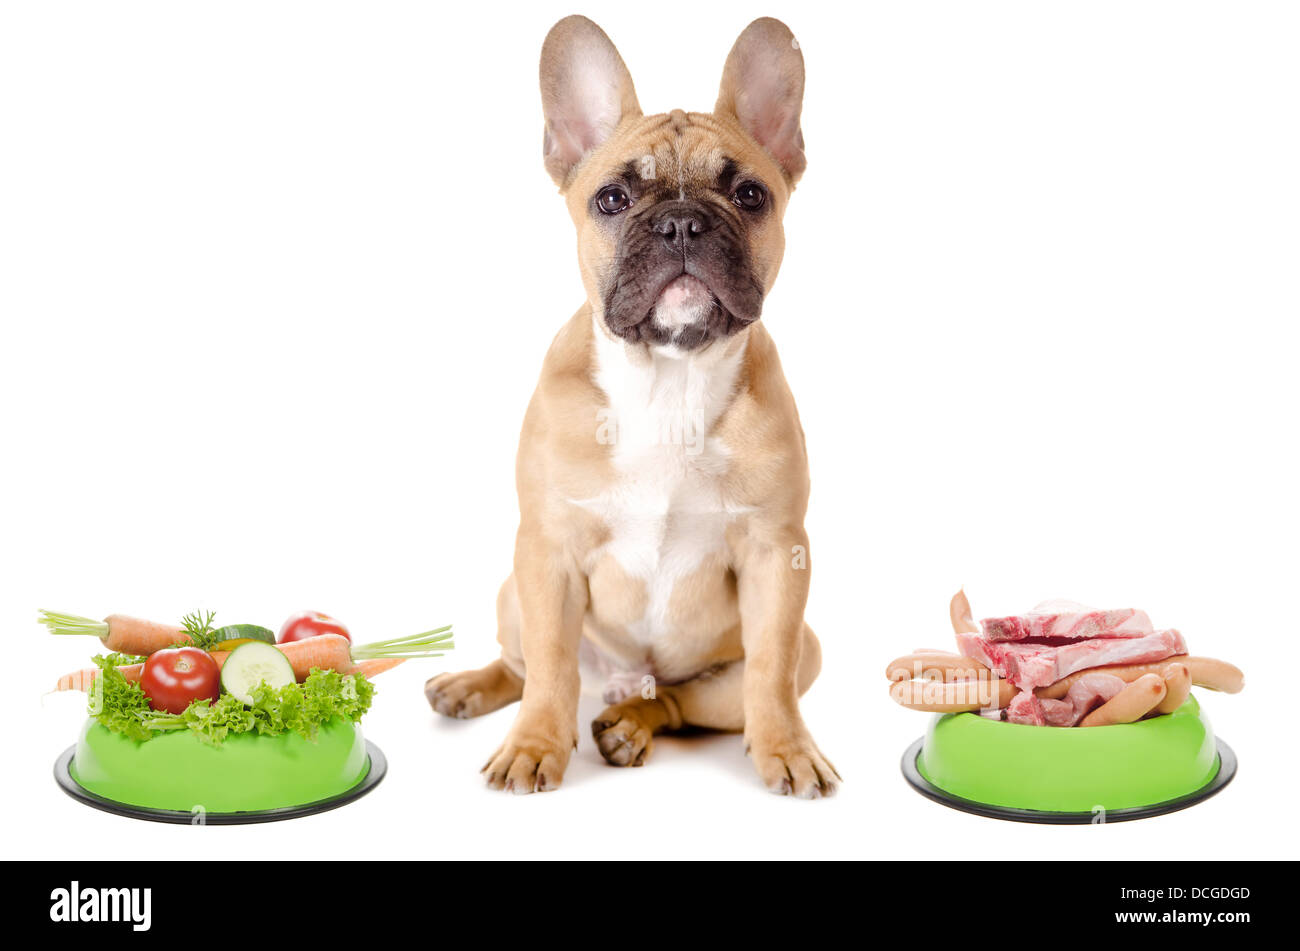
(294, 708)
(117, 703)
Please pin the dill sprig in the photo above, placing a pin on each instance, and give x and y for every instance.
(198, 627)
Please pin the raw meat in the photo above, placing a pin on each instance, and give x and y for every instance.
(1085, 695)
(1057, 712)
(1029, 665)
(1092, 690)
(1026, 708)
(1068, 621)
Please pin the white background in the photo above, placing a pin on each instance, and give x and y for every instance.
(276, 281)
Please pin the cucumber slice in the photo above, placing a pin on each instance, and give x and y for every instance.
(251, 664)
(236, 632)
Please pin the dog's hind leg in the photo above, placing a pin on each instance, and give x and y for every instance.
(713, 701)
(472, 693)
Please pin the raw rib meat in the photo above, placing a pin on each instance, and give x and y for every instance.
(1028, 665)
(1068, 621)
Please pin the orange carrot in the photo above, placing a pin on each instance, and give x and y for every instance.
(130, 635)
(327, 657)
(78, 679)
(82, 679)
(119, 633)
(326, 651)
(377, 665)
(335, 652)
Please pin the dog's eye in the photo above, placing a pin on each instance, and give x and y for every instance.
(750, 196)
(612, 199)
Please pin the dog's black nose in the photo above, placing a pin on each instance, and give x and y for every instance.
(679, 223)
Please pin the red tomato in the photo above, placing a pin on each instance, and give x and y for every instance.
(310, 623)
(174, 677)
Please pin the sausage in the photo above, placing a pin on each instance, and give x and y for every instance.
(1214, 674)
(964, 696)
(1178, 684)
(959, 612)
(1205, 672)
(1132, 703)
(935, 665)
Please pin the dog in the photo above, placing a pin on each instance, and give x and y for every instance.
(662, 472)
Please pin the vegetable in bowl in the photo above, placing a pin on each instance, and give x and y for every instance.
(303, 708)
(219, 681)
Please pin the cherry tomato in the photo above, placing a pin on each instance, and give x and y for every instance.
(174, 677)
(308, 624)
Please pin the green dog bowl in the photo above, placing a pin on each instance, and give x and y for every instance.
(1070, 775)
(248, 778)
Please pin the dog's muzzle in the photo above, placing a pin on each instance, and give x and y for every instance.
(682, 276)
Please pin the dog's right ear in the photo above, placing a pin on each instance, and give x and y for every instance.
(586, 92)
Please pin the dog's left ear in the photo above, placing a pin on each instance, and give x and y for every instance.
(762, 86)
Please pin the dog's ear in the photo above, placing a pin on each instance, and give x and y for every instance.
(586, 92)
(762, 86)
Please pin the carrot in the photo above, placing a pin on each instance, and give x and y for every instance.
(128, 635)
(334, 652)
(377, 665)
(119, 633)
(326, 651)
(82, 679)
(78, 679)
(303, 661)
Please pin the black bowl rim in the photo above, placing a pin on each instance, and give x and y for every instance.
(377, 769)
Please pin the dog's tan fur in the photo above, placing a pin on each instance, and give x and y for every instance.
(734, 652)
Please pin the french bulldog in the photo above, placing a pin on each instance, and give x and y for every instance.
(662, 473)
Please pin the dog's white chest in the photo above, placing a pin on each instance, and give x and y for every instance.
(667, 510)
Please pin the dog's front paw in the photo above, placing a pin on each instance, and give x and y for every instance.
(472, 693)
(529, 761)
(455, 695)
(789, 763)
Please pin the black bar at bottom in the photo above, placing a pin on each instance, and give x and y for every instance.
(489, 903)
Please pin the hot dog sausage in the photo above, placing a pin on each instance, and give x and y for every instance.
(959, 697)
(1132, 703)
(1205, 671)
(935, 665)
(1178, 684)
(959, 612)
